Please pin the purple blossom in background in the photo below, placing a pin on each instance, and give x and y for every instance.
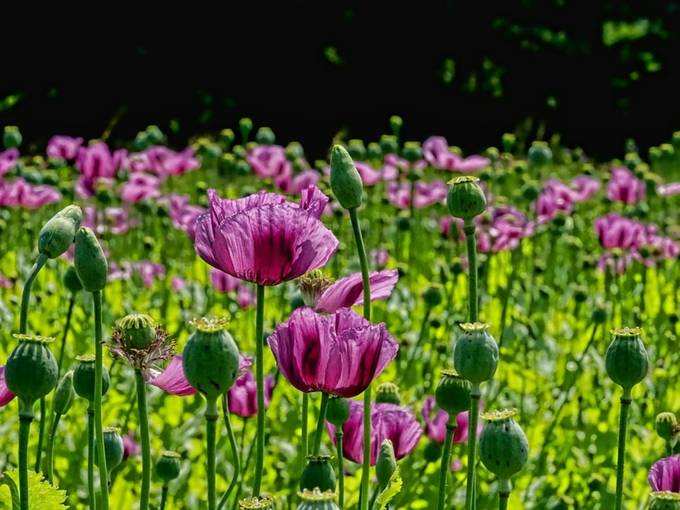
(178, 284)
(664, 475)
(114, 220)
(6, 396)
(625, 187)
(19, 193)
(301, 181)
(63, 147)
(664, 190)
(222, 282)
(424, 194)
(149, 271)
(616, 231)
(270, 162)
(162, 161)
(8, 160)
(349, 291)
(184, 215)
(584, 188)
(130, 447)
(380, 258)
(140, 186)
(436, 419)
(97, 164)
(243, 394)
(5, 283)
(437, 153)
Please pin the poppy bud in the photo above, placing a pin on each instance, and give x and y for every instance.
(11, 137)
(71, 280)
(389, 144)
(503, 447)
(58, 233)
(317, 500)
(168, 466)
(137, 330)
(318, 474)
(626, 359)
(242, 167)
(337, 411)
(245, 126)
(475, 355)
(386, 463)
(432, 296)
(666, 425)
(374, 151)
(211, 358)
(64, 394)
(294, 151)
(89, 261)
(539, 154)
(665, 500)
(83, 377)
(345, 179)
(356, 149)
(31, 370)
(508, 140)
(227, 137)
(387, 393)
(452, 393)
(465, 198)
(396, 123)
(412, 152)
(113, 448)
(265, 136)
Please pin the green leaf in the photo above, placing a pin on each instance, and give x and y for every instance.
(393, 488)
(41, 494)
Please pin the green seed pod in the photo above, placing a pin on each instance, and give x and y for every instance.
(211, 358)
(389, 144)
(465, 198)
(387, 393)
(58, 233)
(664, 501)
(294, 151)
(256, 503)
(626, 358)
(83, 377)
(11, 137)
(666, 425)
(412, 152)
(168, 466)
(31, 370)
(227, 137)
(539, 154)
(245, 126)
(318, 473)
(356, 149)
(113, 448)
(385, 464)
(136, 330)
(396, 123)
(155, 135)
(345, 179)
(475, 354)
(71, 280)
(265, 136)
(89, 261)
(64, 394)
(503, 447)
(337, 411)
(509, 140)
(452, 393)
(374, 151)
(317, 500)
(432, 296)
(433, 451)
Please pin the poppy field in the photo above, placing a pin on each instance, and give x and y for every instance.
(232, 324)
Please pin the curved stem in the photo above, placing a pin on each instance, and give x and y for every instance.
(471, 241)
(623, 425)
(164, 497)
(341, 468)
(319, 424)
(49, 452)
(90, 457)
(99, 429)
(259, 375)
(25, 419)
(41, 434)
(234, 451)
(211, 420)
(26, 294)
(472, 447)
(64, 335)
(445, 462)
(144, 436)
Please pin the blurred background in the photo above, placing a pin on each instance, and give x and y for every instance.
(594, 73)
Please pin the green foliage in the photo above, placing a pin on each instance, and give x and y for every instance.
(41, 494)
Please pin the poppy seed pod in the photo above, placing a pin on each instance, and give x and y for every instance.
(664, 500)
(318, 474)
(89, 261)
(317, 500)
(475, 355)
(83, 377)
(64, 394)
(389, 144)
(245, 126)
(11, 137)
(386, 464)
(137, 330)
(113, 448)
(345, 179)
(666, 425)
(396, 123)
(356, 149)
(503, 447)
(168, 466)
(31, 370)
(432, 296)
(465, 198)
(453, 393)
(412, 152)
(337, 411)
(58, 233)
(387, 393)
(211, 358)
(265, 136)
(374, 151)
(256, 503)
(626, 359)
(539, 154)
(71, 280)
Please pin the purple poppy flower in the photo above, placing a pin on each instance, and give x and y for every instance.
(245, 297)
(437, 154)
(184, 215)
(8, 160)
(19, 193)
(178, 284)
(584, 188)
(380, 257)
(114, 220)
(664, 475)
(625, 187)
(302, 181)
(96, 163)
(615, 263)
(140, 187)
(130, 447)
(263, 238)
(270, 162)
(615, 231)
(222, 282)
(664, 190)
(349, 291)
(338, 354)
(435, 426)
(243, 394)
(63, 147)
(149, 271)
(6, 396)
(424, 194)
(470, 164)
(369, 175)
(389, 421)
(5, 283)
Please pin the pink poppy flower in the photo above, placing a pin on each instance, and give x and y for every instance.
(8, 160)
(130, 447)
(435, 426)
(96, 163)
(114, 220)
(424, 194)
(140, 186)
(149, 271)
(269, 161)
(184, 215)
(5, 283)
(242, 395)
(437, 153)
(615, 231)
(584, 188)
(6, 396)
(664, 474)
(369, 176)
(178, 284)
(19, 193)
(349, 291)
(380, 257)
(245, 297)
(625, 187)
(664, 190)
(63, 147)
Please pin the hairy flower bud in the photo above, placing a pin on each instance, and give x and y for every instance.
(503, 447)
(386, 463)
(666, 425)
(387, 393)
(626, 359)
(168, 466)
(318, 474)
(345, 179)
(64, 394)
(465, 198)
(31, 370)
(245, 126)
(475, 355)
(58, 233)
(356, 149)
(89, 261)
(452, 393)
(84, 380)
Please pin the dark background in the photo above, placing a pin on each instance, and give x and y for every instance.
(594, 72)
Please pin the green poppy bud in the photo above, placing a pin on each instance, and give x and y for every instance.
(412, 152)
(626, 359)
(387, 393)
(389, 144)
(245, 126)
(356, 149)
(666, 425)
(465, 198)
(345, 179)
(509, 140)
(317, 500)
(31, 370)
(168, 466)
(83, 377)
(256, 503)
(337, 411)
(71, 280)
(539, 154)
(11, 137)
(452, 393)
(136, 330)
(665, 500)
(211, 358)
(503, 447)
(113, 448)
(294, 151)
(89, 261)
(374, 151)
(318, 474)
(265, 136)
(155, 135)
(396, 123)
(385, 464)
(432, 296)
(475, 355)
(58, 233)
(141, 141)
(64, 394)
(433, 451)
(227, 137)
(242, 167)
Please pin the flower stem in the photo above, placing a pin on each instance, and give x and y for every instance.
(472, 446)
(234, 451)
(25, 419)
(471, 240)
(341, 468)
(164, 497)
(623, 425)
(49, 452)
(99, 429)
(64, 335)
(26, 294)
(503, 494)
(144, 436)
(90, 456)
(305, 432)
(211, 420)
(361, 251)
(41, 434)
(445, 462)
(259, 375)
(320, 423)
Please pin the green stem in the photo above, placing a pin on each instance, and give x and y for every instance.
(341, 468)
(41, 434)
(49, 453)
(64, 335)
(234, 451)
(361, 251)
(164, 497)
(26, 294)
(259, 375)
(503, 494)
(90, 457)
(446, 462)
(623, 425)
(320, 423)
(211, 420)
(25, 419)
(471, 240)
(99, 429)
(472, 447)
(144, 436)
(305, 432)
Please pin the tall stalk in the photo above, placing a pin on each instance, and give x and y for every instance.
(144, 436)
(623, 426)
(259, 376)
(320, 423)
(236, 461)
(49, 451)
(64, 334)
(305, 432)
(210, 426)
(99, 429)
(25, 419)
(446, 461)
(341, 467)
(90, 457)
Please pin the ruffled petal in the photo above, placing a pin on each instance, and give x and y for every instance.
(349, 291)
(172, 380)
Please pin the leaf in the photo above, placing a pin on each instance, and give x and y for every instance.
(393, 488)
(41, 494)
